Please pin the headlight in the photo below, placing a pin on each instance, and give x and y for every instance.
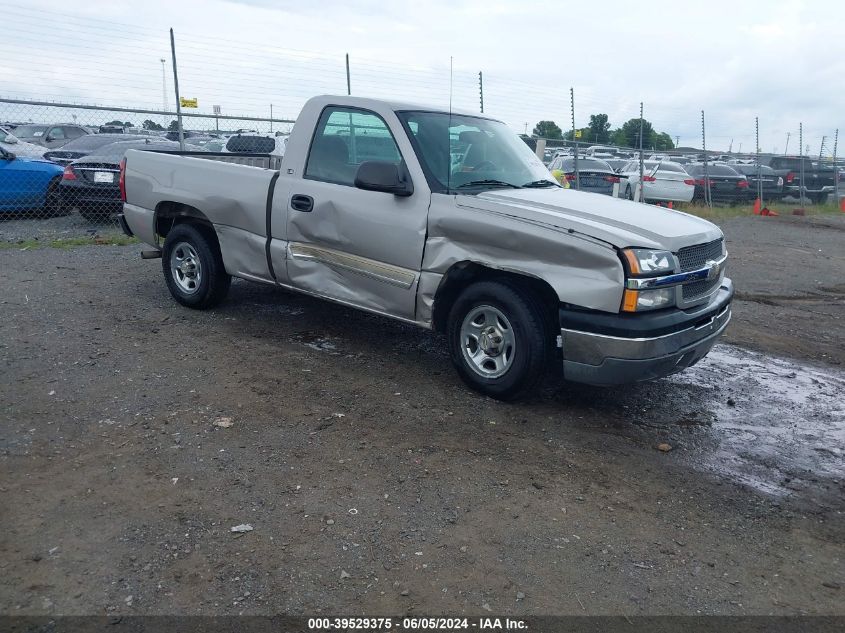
(641, 300)
(645, 262)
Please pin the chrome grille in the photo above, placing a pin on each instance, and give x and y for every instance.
(695, 257)
(699, 288)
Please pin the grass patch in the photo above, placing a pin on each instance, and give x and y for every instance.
(781, 208)
(70, 242)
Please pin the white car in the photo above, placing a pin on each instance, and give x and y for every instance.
(12, 143)
(664, 181)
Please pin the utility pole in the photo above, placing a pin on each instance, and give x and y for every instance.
(348, 83)
(821, 148)
(677, 141)
(572, 111)
(163, 85)
(641, 197)
(481, 90)
(176, 87)
(786, 147)
(271, 118)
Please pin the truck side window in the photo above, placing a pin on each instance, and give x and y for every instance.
(345, 138)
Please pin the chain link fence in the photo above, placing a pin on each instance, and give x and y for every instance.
(59, 162)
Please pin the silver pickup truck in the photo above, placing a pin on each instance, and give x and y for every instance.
(446, 220)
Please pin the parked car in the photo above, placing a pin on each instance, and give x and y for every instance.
(818, 178)
(173, 135)
(617, 163)
(29, 185)
(257, 144)
(663, 181)
(89, 144)
(91, 183)
(594, 175)
(20, 148)
(603, 150)
(519, 273)
(772, 184)
(50, 136)
(726, 183)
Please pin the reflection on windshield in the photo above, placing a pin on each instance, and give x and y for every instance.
(471, 154)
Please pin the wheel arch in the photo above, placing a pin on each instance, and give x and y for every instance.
(463, 274)
(168, 214)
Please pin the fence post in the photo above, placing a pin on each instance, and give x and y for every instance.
(481, 90)
(707, 198)
(572, 111)
(641, 197)
(835, 168)
(759, 170)
(176, 86)
(801, 158)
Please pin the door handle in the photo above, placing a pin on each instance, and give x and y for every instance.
(302, 203)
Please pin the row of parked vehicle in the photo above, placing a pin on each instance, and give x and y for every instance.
(688, 179)
(48, 170)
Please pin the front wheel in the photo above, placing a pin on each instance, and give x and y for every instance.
(193, 267)
(499, 339)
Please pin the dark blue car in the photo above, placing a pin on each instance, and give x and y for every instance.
(29, 185)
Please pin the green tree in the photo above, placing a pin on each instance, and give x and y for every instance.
(174, 125)
(128, 124)
(118, 124)
(598, 129)
(149, 124)
(547, 129)
(629, 134)
(662, 141)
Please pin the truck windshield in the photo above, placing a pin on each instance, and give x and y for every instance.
(467, 154)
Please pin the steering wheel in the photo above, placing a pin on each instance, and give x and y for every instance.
(485, 163)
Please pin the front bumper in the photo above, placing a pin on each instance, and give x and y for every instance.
(613, 349)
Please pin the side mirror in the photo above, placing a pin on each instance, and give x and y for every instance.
(48, 139)
(377, 175)
(6, 155)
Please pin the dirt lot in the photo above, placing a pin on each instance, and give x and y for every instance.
(136, 433)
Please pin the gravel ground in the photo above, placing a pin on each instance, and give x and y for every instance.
(16, 229)
(136, 434)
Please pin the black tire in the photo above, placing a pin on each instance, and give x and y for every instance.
(628, 193)
(530, 327)
(818, 198)
(197, 249)
(53, 206)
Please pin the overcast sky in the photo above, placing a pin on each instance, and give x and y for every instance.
(783, 61)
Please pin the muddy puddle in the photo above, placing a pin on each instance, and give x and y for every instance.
(772, 424)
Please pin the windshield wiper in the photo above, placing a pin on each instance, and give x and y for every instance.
(491, 183)
(540, 184)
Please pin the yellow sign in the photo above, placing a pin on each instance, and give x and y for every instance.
(577, 132)
(187, 103)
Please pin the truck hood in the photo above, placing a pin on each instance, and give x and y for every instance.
(621, 223)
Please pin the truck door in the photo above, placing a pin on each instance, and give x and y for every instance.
(360, 247)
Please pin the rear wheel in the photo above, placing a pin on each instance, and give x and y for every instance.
(818, 198)
(193, 267)
(53, 200)
(499, 339)
(628, 193)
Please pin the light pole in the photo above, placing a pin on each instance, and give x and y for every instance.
(163, 84)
